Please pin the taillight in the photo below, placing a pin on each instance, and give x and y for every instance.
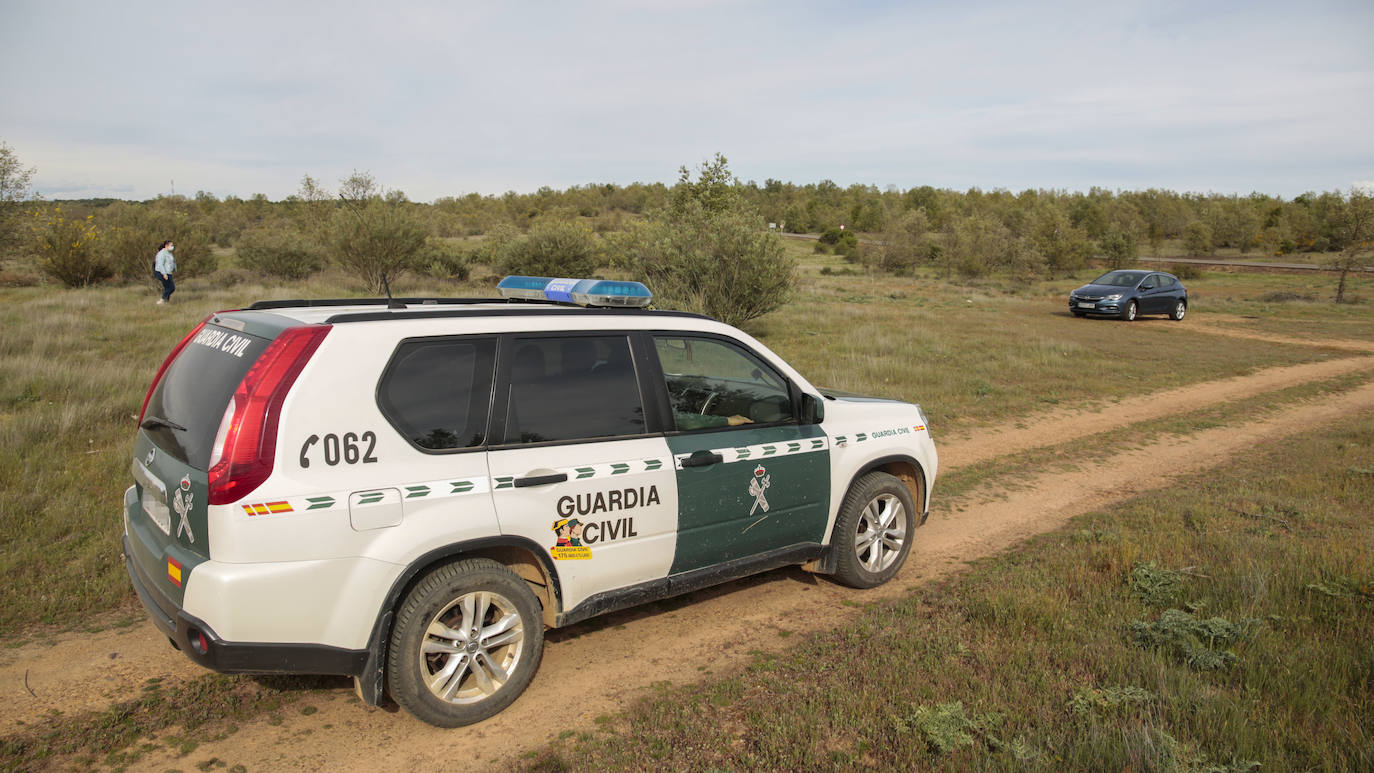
(247, 444)
(167, 363)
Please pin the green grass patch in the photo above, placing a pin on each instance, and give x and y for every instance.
(1224, 623)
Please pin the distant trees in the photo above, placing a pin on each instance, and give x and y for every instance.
(1355, 227)
(14, 188)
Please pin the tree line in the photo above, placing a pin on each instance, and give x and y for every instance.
(706, 233)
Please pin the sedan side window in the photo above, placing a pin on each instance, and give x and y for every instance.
(713, 383)
(1149, 283)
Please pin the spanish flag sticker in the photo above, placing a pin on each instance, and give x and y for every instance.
(174, 571)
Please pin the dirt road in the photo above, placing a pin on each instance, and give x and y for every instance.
(598, 667)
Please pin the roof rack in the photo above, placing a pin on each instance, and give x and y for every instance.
(515, 308)
(309, 302)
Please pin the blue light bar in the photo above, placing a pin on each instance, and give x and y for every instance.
(582, 292)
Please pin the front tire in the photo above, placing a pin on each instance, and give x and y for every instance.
(874, 531)
(1180, 309)
(1131, 311)
(466, 643)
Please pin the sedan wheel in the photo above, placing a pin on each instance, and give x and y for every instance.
(1180, 309)
(466, 643)
(873, 532)
(1129, 313)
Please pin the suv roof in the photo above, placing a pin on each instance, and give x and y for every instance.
(337, 310)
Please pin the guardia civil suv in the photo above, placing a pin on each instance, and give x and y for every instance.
(409, 492)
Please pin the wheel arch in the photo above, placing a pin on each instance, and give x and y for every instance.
(526, 558)
(903, 468)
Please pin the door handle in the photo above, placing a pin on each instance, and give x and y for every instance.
(702, 459)
(540, 480)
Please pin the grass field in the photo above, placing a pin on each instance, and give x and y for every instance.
(1224, 624)
(1080, 650)
(76, 365)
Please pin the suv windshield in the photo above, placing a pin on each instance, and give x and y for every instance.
(188, 404)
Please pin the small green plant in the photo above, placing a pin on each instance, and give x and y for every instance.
(1155, 586)
(946, 728)
(1202, 645)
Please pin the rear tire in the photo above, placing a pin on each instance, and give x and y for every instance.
(1130, 312)
(1180, 309)
(874, 531)
(466, 643)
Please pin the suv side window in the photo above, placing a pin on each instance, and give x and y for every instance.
(572, 388)
(436, 391)
(714, 383)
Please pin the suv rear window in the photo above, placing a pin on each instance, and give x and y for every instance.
(196, 389)
(436, 391)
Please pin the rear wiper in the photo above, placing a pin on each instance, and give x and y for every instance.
(152, 422)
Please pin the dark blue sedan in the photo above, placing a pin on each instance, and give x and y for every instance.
(1128, 294)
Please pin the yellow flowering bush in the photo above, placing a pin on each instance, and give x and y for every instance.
(65, 248)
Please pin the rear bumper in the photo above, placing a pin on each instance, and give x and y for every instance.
(202, 645)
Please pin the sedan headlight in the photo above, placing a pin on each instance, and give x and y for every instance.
(1113, 297)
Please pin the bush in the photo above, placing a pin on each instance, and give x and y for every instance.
(66, 248)
(1186, 270)
(442, 259)
(1197, 238)
(131, 235)
(1119, 248)
(551, 248)
(277, 249)
(377, 241)
(722, 264)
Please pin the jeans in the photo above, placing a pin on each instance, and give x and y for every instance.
(168, 286)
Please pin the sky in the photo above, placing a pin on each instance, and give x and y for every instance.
(136, 99)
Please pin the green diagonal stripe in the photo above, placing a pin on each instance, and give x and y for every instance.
(792, 448)
(585, 472)
(743, 453)
(652, 464)
(317, 503)
(505, 483)
(817, 443)
(370, 498)
(619, 467)
(861, 437)
(417, 491)
(769, 450)
(461, 486)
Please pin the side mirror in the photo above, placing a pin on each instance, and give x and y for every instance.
(812, 409)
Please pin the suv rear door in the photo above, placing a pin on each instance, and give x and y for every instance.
(578, 465)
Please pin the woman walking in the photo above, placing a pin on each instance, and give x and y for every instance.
(164, 265)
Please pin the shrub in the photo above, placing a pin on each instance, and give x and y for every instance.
(442, 259)
(1197, 238)
(1119, 248)
(132, 233)
(278, 249)
(551, 248)
(1187, 270)
(66, 248)
(377, 241)
(721, 264)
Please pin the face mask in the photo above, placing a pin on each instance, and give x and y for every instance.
(171, 247)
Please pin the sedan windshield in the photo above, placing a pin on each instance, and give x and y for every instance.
(1120, 278)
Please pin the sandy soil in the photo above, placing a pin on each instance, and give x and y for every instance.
(600, 666)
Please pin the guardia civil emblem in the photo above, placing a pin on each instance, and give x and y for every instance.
(181, 502)
(757, 485)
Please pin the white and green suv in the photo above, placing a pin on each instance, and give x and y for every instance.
(408, 492)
